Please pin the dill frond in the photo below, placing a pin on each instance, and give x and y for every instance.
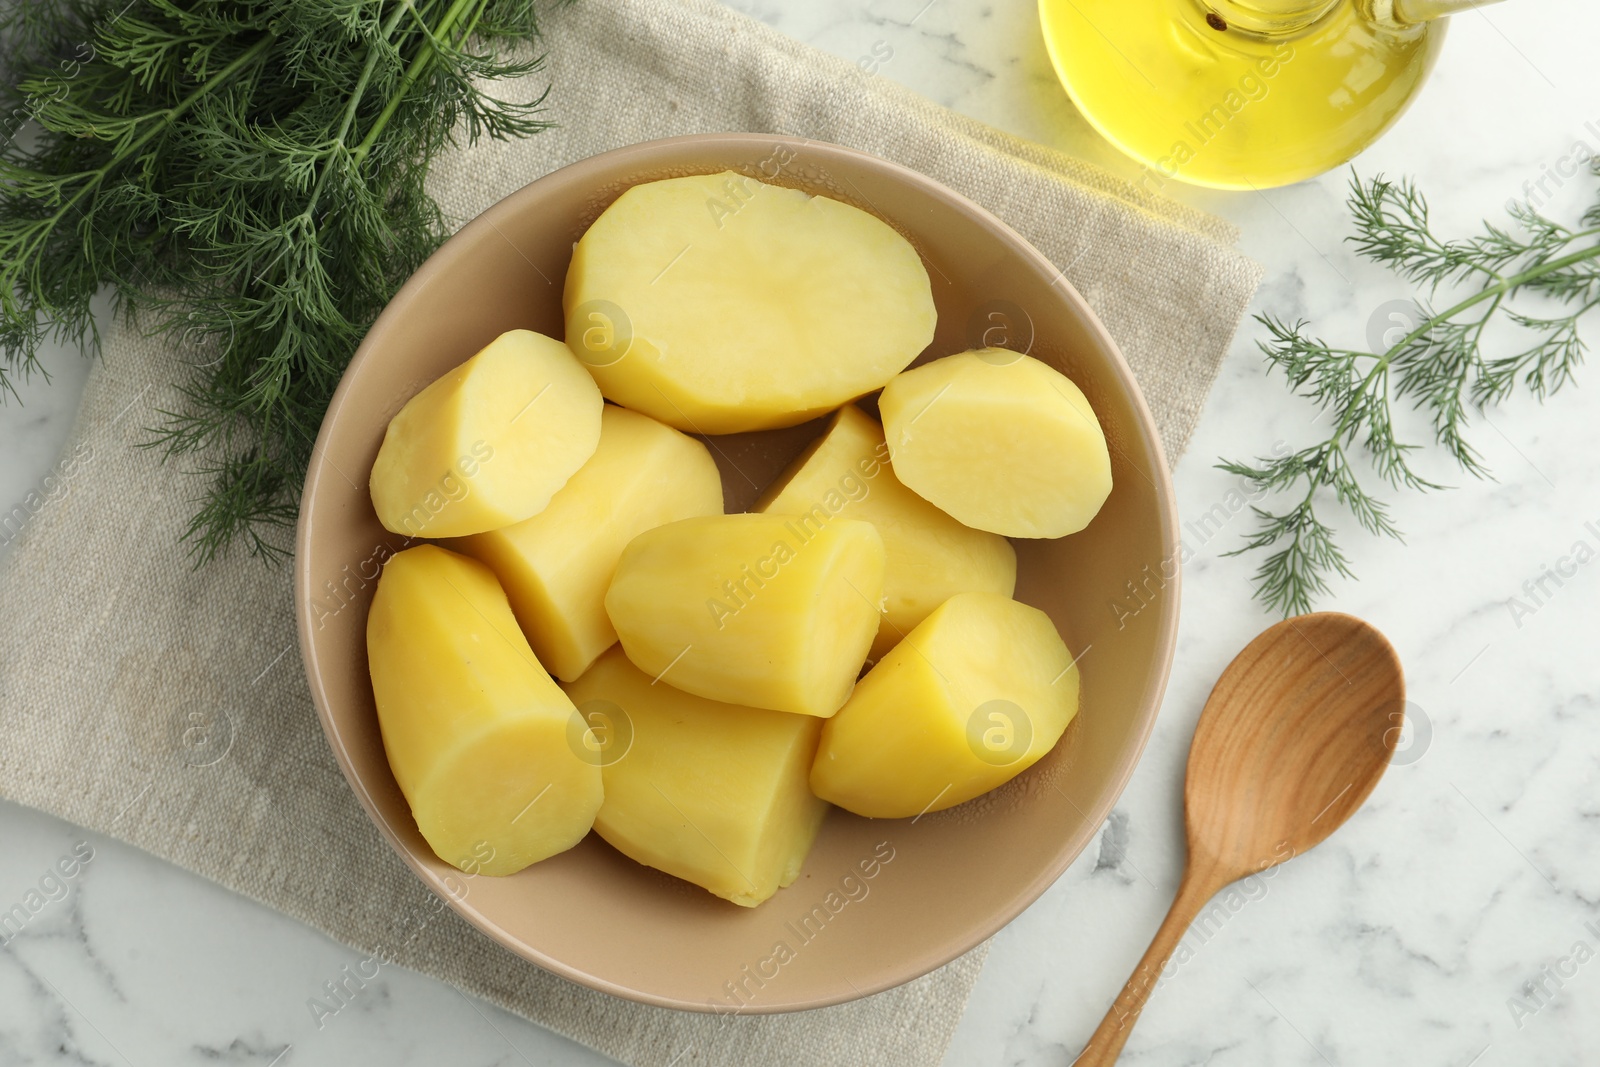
(249, 174)
(1440, 368)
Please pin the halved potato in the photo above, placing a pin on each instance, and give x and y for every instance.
(929, 557)
(556, 566)
(489, 443)
(974, 696)
(475, 730)
(717, 303)
(751, 609)
(712, 793)
(1000, 441)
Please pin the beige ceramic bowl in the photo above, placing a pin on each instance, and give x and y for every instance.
(951, 879)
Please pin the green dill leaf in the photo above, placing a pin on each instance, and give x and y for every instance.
(247, 180)
(1441, 368)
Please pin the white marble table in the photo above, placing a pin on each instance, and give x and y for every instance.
(1407, 938)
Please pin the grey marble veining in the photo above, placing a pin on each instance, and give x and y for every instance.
(1455, 921)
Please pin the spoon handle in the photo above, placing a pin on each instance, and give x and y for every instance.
(1197, 888)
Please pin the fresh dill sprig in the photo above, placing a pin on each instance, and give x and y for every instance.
(246, 178)
(1442, 368)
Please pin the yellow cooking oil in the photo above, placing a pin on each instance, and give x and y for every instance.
(1238, 94)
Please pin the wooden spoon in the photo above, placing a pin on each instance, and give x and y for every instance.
(1295, 735)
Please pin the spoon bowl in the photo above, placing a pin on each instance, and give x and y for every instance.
(1294, 737)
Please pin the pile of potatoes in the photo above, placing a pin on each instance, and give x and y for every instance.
(708, 700)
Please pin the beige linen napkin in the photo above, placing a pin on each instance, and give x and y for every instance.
(167, 706)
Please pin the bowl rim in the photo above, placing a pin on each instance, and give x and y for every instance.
(446, 257)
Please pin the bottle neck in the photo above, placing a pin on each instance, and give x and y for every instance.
(1411, 12)
(1282, 18)
(1269, 18)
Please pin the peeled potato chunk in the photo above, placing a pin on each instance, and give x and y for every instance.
(761, 610)
(717, 303)
(556, 566)
(930, 557)
(711, 793)
(1000, 441)
(489, 443)
(475, 730)
(973, 697)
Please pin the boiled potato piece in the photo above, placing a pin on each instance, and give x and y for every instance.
(751, 609)
(1000, 441)
(475, 730)
(489, 443)
(556, 566)
(971, 698)
(930, 557)
(711, 793)
(717, 303)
